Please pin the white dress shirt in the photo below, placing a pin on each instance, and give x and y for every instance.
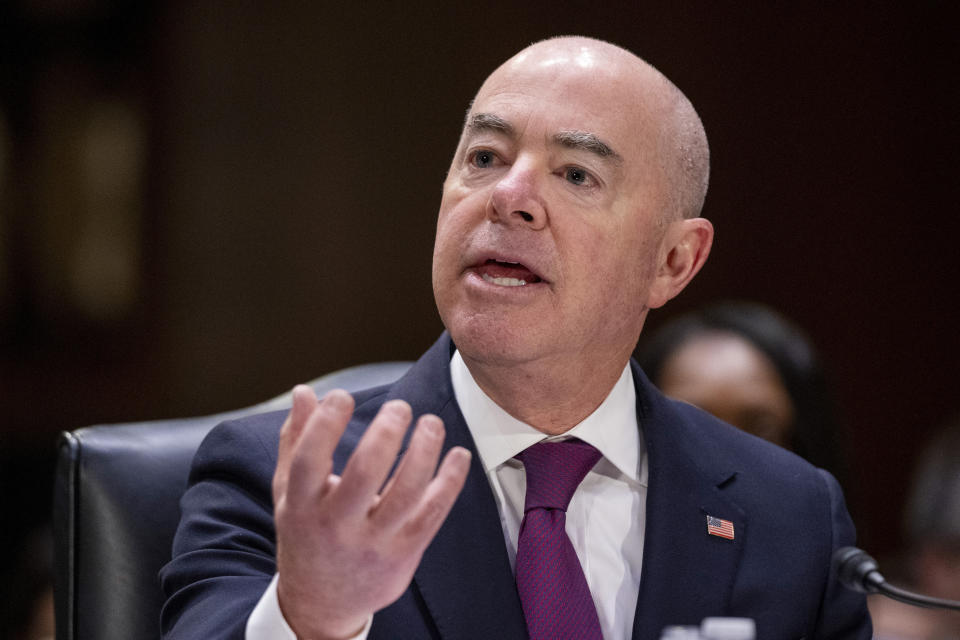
(605, 518)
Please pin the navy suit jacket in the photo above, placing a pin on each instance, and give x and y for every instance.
(788, 519)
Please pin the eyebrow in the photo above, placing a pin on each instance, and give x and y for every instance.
(488, 122)
(583, 141)
(577, 140)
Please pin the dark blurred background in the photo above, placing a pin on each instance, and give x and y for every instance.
(202, 204)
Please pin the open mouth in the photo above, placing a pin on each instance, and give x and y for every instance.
(507, 274)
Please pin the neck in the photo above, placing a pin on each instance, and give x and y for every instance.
(551, 399)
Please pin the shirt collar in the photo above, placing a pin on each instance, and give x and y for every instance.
(612, 428)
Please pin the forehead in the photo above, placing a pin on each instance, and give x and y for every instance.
(721, 357)
(573, 91)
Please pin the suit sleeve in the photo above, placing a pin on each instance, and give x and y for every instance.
(843, 613)
(224, 549)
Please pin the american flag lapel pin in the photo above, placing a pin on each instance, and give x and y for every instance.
(719, 527)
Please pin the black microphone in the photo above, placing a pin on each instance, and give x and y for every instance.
(858, 571)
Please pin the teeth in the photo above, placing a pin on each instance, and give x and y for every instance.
(505, 282)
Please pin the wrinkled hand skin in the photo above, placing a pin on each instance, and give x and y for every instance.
(345, 549)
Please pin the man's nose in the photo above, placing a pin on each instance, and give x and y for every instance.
(517, 199)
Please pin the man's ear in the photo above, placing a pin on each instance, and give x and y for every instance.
(685, 247)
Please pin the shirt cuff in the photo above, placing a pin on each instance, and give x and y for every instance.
(266, 622)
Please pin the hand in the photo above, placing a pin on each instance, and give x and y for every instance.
(346, 549)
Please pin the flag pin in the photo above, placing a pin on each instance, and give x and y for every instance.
(719, 527)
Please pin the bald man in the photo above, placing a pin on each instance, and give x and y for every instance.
(571, 208)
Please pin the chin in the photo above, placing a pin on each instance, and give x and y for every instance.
(494, 341)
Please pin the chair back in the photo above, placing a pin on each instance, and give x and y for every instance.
(116, 509)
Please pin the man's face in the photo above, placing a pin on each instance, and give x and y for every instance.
(550, 226)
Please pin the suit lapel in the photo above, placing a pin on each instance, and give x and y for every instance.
(687, 573)
(464, 576)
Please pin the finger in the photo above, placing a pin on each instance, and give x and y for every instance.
(418, 435)
(304, 400)
(403, 462)
(438, 498)
(416, 469)
(374, 456)
(312, 457)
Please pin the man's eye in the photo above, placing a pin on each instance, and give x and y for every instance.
(483, 159)
(576, 175)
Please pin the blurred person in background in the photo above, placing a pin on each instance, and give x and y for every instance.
(931, 562)
(753, 368)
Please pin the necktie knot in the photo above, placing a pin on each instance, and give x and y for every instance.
(554, 471)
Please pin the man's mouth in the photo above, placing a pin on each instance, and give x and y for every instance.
(507, 274)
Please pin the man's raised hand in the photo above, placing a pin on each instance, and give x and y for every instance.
(346, 549)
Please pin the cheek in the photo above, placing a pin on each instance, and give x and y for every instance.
(610, 286)
(456, 223)
(640, 245)
(449, 232)
(619, 262)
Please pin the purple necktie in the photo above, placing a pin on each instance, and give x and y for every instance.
(553, 590)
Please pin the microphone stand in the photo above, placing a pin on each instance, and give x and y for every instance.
(858, 571)
(917, 599)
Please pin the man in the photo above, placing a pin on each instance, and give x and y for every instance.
(570, 210)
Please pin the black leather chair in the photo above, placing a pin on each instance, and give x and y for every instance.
(116, 508)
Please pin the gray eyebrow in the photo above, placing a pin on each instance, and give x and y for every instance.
(489, 122)
(577, 140)
(587, 142)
